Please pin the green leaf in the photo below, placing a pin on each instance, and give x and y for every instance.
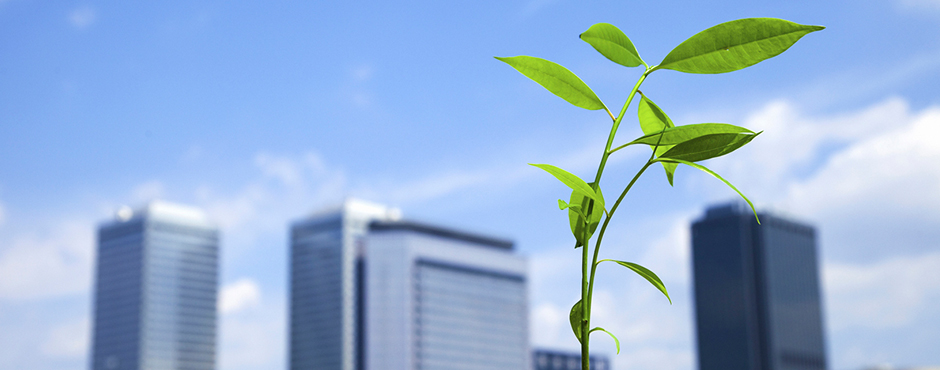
(572, 181)
(734, 45)
(708, 146)
(710, 172)
(678, 134)
(613, 44)
(610, 334)
(575, 317)
(646, 274)
(556, 79)
(652, 121)
(577, 220)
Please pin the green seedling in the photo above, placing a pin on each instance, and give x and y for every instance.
(726, 47)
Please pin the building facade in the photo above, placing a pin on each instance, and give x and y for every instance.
(156, 287)
(370, 291)
(757, 293)
(545, 359)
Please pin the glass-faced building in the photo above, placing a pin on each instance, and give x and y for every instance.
(546, 359)
(155, 290)
(370, 291)
(757, 295)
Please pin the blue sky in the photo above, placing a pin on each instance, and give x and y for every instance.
(261, 112)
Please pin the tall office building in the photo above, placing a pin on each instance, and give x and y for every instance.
(757, 299)
(370, 291)
(546, 359)
(155, 290)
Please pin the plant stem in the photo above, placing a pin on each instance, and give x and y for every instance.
(613, 131)
(585, 315)
(587, 281)
(600, 235)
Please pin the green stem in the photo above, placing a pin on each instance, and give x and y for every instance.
(613, 130)
(585, 315)
(587, 281)
(600, 235)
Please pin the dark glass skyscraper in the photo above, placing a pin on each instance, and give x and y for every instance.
(757, 299)
(155, 290)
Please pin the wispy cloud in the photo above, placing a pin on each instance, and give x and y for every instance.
(362, 73)
(794, 143)
(533, 6)
(862, 83)
(887, 294)
(357, 87)
(870, 172)
(888, 171)
(82, 17)
(47, 262)
(69, 339)
(148, 191)
(652, 333)
(253, 339)
(920, 4)
(239, 295)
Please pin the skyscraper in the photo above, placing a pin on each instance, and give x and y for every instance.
(370, 291)
(757, 299)
(155, 290)
(546, 359)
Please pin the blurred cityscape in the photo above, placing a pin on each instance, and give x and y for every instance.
(371, 290)
(261, 116)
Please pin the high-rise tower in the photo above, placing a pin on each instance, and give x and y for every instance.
(757, 299)
(155, 290)
(370, 291)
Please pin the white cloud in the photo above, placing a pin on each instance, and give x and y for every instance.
(49, 263)
(652, 333)
(893, 172)
(356, 88)
(792, 143)
(920, 4)
(254, 339)
(69, 339)
(287, 170)
(436, 186)
(238, 296)
(867, 179)
(362, 73)
(148, 191)
(192, 155)
(82, 17)
(533, 6)
(548, 324)
(669, 255)
(887, 294)
(288, 187)
(864, 177)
